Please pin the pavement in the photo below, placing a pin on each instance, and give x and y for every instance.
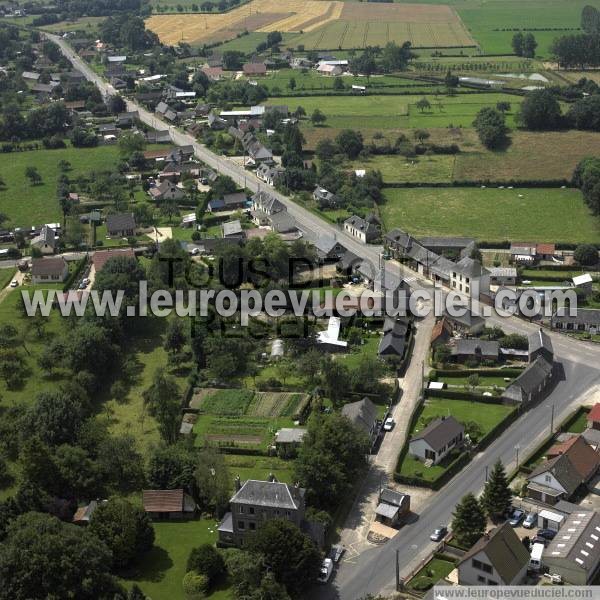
(372, 569)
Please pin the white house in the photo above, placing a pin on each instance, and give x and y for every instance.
(437, 440)
(329, 70)
(361, 229)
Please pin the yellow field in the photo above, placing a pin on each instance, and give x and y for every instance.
(325, 24)
(258, 15)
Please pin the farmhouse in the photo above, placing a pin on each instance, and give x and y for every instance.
(325, 198)
(392, 508)
(168, 504)
(498, 558)
(475, 349)
(254, 69)
(120, 225)
(361, 229)
(49, 270)
(436, 440)
(574, 553)
(586, 319)
(46, 242)
(328, 70)
(468, 272)
(395, 336)
(532, 384)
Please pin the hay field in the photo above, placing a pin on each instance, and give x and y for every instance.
(322, 24)
(258, 15)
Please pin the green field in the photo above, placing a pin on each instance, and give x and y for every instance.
(33, 205)
(544, 215)
(389, 112)
(432, 572)
(398, 169)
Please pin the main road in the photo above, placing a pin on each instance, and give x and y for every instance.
(373, 571)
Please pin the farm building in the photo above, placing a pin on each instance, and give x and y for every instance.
(168, 504)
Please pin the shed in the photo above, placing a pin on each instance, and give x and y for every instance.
(548, 519)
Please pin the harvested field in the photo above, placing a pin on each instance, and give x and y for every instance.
(277, 404)
(323, 24)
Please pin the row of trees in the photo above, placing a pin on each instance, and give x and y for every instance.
(587, 178)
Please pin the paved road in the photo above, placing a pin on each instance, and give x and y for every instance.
(373, 571)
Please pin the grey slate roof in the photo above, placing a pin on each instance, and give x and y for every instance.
(399, 238)
(533, 376)
(362, 224)
(439, 432)
(563, 470)
(446, 242)
(393, 341)
(48, 266)
(282, 222)
(267, 203)
(393, 497)
(290, 435)
(269, 493)
(120, 222)
(362, 414)
(232, 228)
(473, 347)
(538, 340)
(587, 316)
(470, 267)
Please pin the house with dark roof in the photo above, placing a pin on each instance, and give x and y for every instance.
(267, 204)
(574, 553)
(437, 440)
(120, 225)
(363, 415)
(270, 174)
(168, 504)
(540, 344)
(256, 502)
(361, 229)
(324, 198)
(49, 270)
(532, 384)
(497, 558)
(393, 344)
(258, 153)
(467, 323)
(166, 190)
(392, 507)
(468, 272)
(447, 245)
(475, 350)
(399, 242)
(233, 230)
(254, 69)
(585, 319)
(233, 201)
(47, 240)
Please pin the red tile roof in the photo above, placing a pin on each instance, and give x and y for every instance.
(546, 248)
(562, 447)
(584, 458)
(594, 414)
(162, 500)
(101, 256)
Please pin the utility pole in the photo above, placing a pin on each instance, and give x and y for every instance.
(552, 420)
(486, 473)
(398, 586)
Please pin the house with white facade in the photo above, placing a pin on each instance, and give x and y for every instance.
(437, 440)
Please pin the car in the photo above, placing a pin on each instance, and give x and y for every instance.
(336, 553)
(547, 534)
(530, 520)
(538, 539)
(82, 286)
(85, 280)
(516, 517)
(439, 534)
(14, 283)
(326, 570)
(195, 251)
(389, 423)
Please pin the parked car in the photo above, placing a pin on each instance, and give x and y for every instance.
(530, 520)
(538, 539)
(547, 534)
(336, 553)
(14, 283)
(326, 570)
(389, 423)
(439, 534)
(516, 517)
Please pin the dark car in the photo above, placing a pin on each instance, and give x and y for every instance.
(547, 534)
(516, 517)
(538, 539)
(439, 534)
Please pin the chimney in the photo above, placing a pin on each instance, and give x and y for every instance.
(237, 482)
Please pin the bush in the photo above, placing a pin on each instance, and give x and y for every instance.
(195, 585)
(206, 560)
(422, 583)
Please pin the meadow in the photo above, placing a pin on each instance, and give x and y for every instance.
(542, 215)
(393, 112)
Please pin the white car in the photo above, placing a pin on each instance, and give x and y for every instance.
(389, 423)
(326, 570)
(14, 283)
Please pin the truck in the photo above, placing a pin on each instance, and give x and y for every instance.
(535, 558)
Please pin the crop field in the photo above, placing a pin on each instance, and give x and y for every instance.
(542, 215)
(393, 112)
(322, 24)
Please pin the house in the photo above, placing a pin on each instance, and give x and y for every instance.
(503, 276)
(437, 440)
(101, 257)
(555, 479)
(396, 334)
(325, 198)
(49, 270)
(288, 440)
(166, 190)
(127, 119)
(256, 502)
(466, 273)
(450, 246)
(540, 344)
(254, 69)
(532, 384)
(392, 508)
(545, 251)
(498, 558)
(258, 153)
(441, 334)
(47, 240)
(328, 248)
(363, 415)
(475, 350)
(523, 252)
(467, 323)
(329, 70)
(361, 229)
(282, 222)
(233, 230)
(120, 225)
(168, 504)
(266, 203)
(399, 242)
(574, 553)
(158, 137)
(269, 174)
(584, 283)
(593, 417)
(233, 201)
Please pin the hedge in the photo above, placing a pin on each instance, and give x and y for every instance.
(526, 183)
(74, 274)
(482, 372)
(489, 437)
(438, 483)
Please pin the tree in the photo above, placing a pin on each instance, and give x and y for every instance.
(42, 557)
(163, 402)
(335, 376)
(468, 521)
(584, 114)
(33, 175)
(540, 111)
(350, 142)
(195, 585)
(586, 254)
(125, 529)
(172, 467)
(517, 43)
(212, 480)
(491, 128)
(497, 496)
(473, 380)
(116, 104)
(175, 337)
(590, 19)
(292, 83)
(120, 463)
(206, 560)
(421, 135)
(503, 106)
(423, 104)
(529, 45)
(291, 555)
(326, 149)
(317, 118)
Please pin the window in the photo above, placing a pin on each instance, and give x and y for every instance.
(241, 525)
(288, 513)
(480, 566)
(491, 582)
(241, 510)
(252, 526)
(548, 478)
(480, 579)
(251, 510)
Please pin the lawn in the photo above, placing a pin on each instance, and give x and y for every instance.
(161, 570)
(433, 571)
(6, 276)
(25, 204)
(258, 467)
(492, 214)
(436, 168)
(389, 112)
